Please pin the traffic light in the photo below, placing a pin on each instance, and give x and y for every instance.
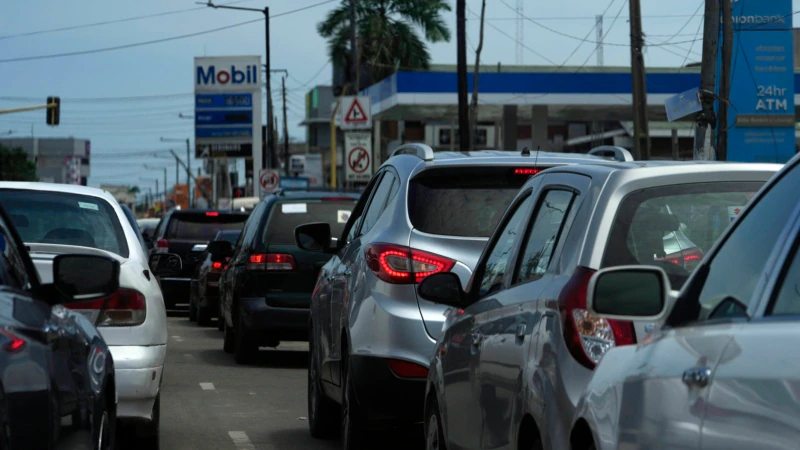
(238, 192)
(53, 112)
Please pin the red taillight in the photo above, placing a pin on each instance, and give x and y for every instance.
(402, 265)
(216, 266)
(526, 171)
(589, 337)
(15, 343)
(405, 369)
(271, 262)
(162, 243)
(125, 307)
(212, 214)
(688, 259)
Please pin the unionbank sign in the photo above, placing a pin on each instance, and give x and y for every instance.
(227, 106)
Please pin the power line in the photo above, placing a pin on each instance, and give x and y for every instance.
(310, 80)
(686, 24)
(155, 41)
(654, 16)
(515, 40)
(104, 99)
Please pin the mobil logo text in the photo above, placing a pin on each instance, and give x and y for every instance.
(228, 75)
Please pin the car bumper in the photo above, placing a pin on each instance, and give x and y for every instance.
(138, 371)
(258, 317)
(390, 400)
(176, 290)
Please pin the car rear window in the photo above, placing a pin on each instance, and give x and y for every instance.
(202, 226)
(674, 226)
(288, 215)
(46, 217)
(230, 237)
(464, 202)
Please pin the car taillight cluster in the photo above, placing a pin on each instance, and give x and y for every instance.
(125, 307)
(271, 262)
(405, 369)
(162, 243)
(216, 266)
(589, 337)
(397, 264)
(688, 259)
(14, 344)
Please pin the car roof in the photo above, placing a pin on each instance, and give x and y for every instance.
(314, 195)
(203, 211)
(640, 169)
(58, 187)
(507, 158)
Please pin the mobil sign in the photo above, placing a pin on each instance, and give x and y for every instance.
(227, 74)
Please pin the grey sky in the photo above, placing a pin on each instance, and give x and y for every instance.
(119, 129)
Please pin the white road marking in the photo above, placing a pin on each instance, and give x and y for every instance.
(207, 386)
(188, 355)
(240, 440)
(177, 338)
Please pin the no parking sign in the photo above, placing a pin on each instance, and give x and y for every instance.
(358, 147)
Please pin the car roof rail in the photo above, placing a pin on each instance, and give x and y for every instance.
(422, 151)
(617, 153)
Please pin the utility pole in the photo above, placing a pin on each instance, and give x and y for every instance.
(473, 111)
(354, 46)
(725, 79)
(199, 186)
(461, 43)
(149, 167)
(598, 25)
(707, 118)
(641, 148)
(285, 129)
(188, 168)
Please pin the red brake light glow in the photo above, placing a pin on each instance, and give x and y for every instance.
(271, 262)
(216, 265)
(402, 265)
(526, 171)
(125, 307)
(212, 214)
(688, 259)
(405, 369)
(162, 243)
(15, 343)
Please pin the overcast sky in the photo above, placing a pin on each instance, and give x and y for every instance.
(121, 130)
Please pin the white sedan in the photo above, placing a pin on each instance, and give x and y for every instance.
(58, 218)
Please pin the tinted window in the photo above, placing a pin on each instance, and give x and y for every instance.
(787, 299)
(378, 202)
(495, 270)
(12, 267)
(82, 220)
(229, 237)
(741, 260)
(462, 202)
(201, 227)
(543, 235)
(288, 215)
(674, 226)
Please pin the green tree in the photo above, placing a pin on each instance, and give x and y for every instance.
(388, 34)
(15, 166)
(133, 190)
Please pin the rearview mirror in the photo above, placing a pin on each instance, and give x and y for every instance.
(629, 293)
(85, 277)
(443, 288)
(165, 264)
(314, 237)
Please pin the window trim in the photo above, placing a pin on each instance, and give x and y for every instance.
(358, 210)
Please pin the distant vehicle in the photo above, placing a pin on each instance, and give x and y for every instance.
(53, 361)
(56, 219)
(267, 287)
(519, 344)
(714, 373)
(204, 304)
(178, 233)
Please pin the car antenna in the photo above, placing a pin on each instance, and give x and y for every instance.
(526, 152)
(535, 160)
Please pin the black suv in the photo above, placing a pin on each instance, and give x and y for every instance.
(266, 289)
(178, 233)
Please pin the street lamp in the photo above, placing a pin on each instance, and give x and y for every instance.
(270, 141)
(188, 168)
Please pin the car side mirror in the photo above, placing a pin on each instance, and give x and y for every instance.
(314, 237)
(443, 288)
(165, 264)
(80, 278)
(629, 293)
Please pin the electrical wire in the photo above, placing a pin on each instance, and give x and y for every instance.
(314, 77)
(515, 40)
(157, 97)
(686, 24)
(691, 47)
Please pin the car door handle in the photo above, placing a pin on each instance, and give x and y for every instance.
(477, 338)
(697, 376)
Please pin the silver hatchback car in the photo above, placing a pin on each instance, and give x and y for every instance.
(519, 344)
(371, 336)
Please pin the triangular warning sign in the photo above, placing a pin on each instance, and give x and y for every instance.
(356, 113)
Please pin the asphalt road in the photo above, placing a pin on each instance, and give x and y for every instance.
(210, 402)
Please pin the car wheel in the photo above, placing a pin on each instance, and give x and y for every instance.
(203, 316)
(229, 343)
(354, 432)
(243, 349)
(323, 413)
(434, 433)
(102, 435)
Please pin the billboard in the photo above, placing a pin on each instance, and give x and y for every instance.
(227, 106)
(761, 125)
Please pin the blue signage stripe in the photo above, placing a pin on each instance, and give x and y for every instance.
(220, 133)
(243, 100)
(231, 116)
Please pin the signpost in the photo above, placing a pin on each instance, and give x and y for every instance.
(355, 113)
(761, 123)
(269, 180)
(358, 151)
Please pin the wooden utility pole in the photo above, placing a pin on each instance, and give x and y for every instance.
(461, 44)
(707, 118)
(354, 46)
(641, 148)
(473, 110)
(725, 79)
(286, 156)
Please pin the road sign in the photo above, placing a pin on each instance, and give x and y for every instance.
(356, 113)
(270, 181)
(683, 104)
(358, 148)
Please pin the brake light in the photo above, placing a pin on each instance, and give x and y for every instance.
(217, 266)
(688, 258)
(15, 343)
(212, 214)
(162, 243)
(405, 369)
(402, 265)
(526, 171)
(125, 307)
(271, 262)
(589, 337)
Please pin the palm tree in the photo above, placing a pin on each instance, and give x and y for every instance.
(133, 190)
(388, 34)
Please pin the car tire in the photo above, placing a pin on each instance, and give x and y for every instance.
(244, 349)
(203, 316)
(229, 342)
(353, 427)
(434, 433)
(324, 415)
(102, 435)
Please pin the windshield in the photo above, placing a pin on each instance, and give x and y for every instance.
(286, 216)
(201, 227)
(674, 226)
(82, 220)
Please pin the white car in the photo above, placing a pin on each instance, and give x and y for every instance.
(58, 218)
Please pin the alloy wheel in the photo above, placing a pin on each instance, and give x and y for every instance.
(432, 436)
